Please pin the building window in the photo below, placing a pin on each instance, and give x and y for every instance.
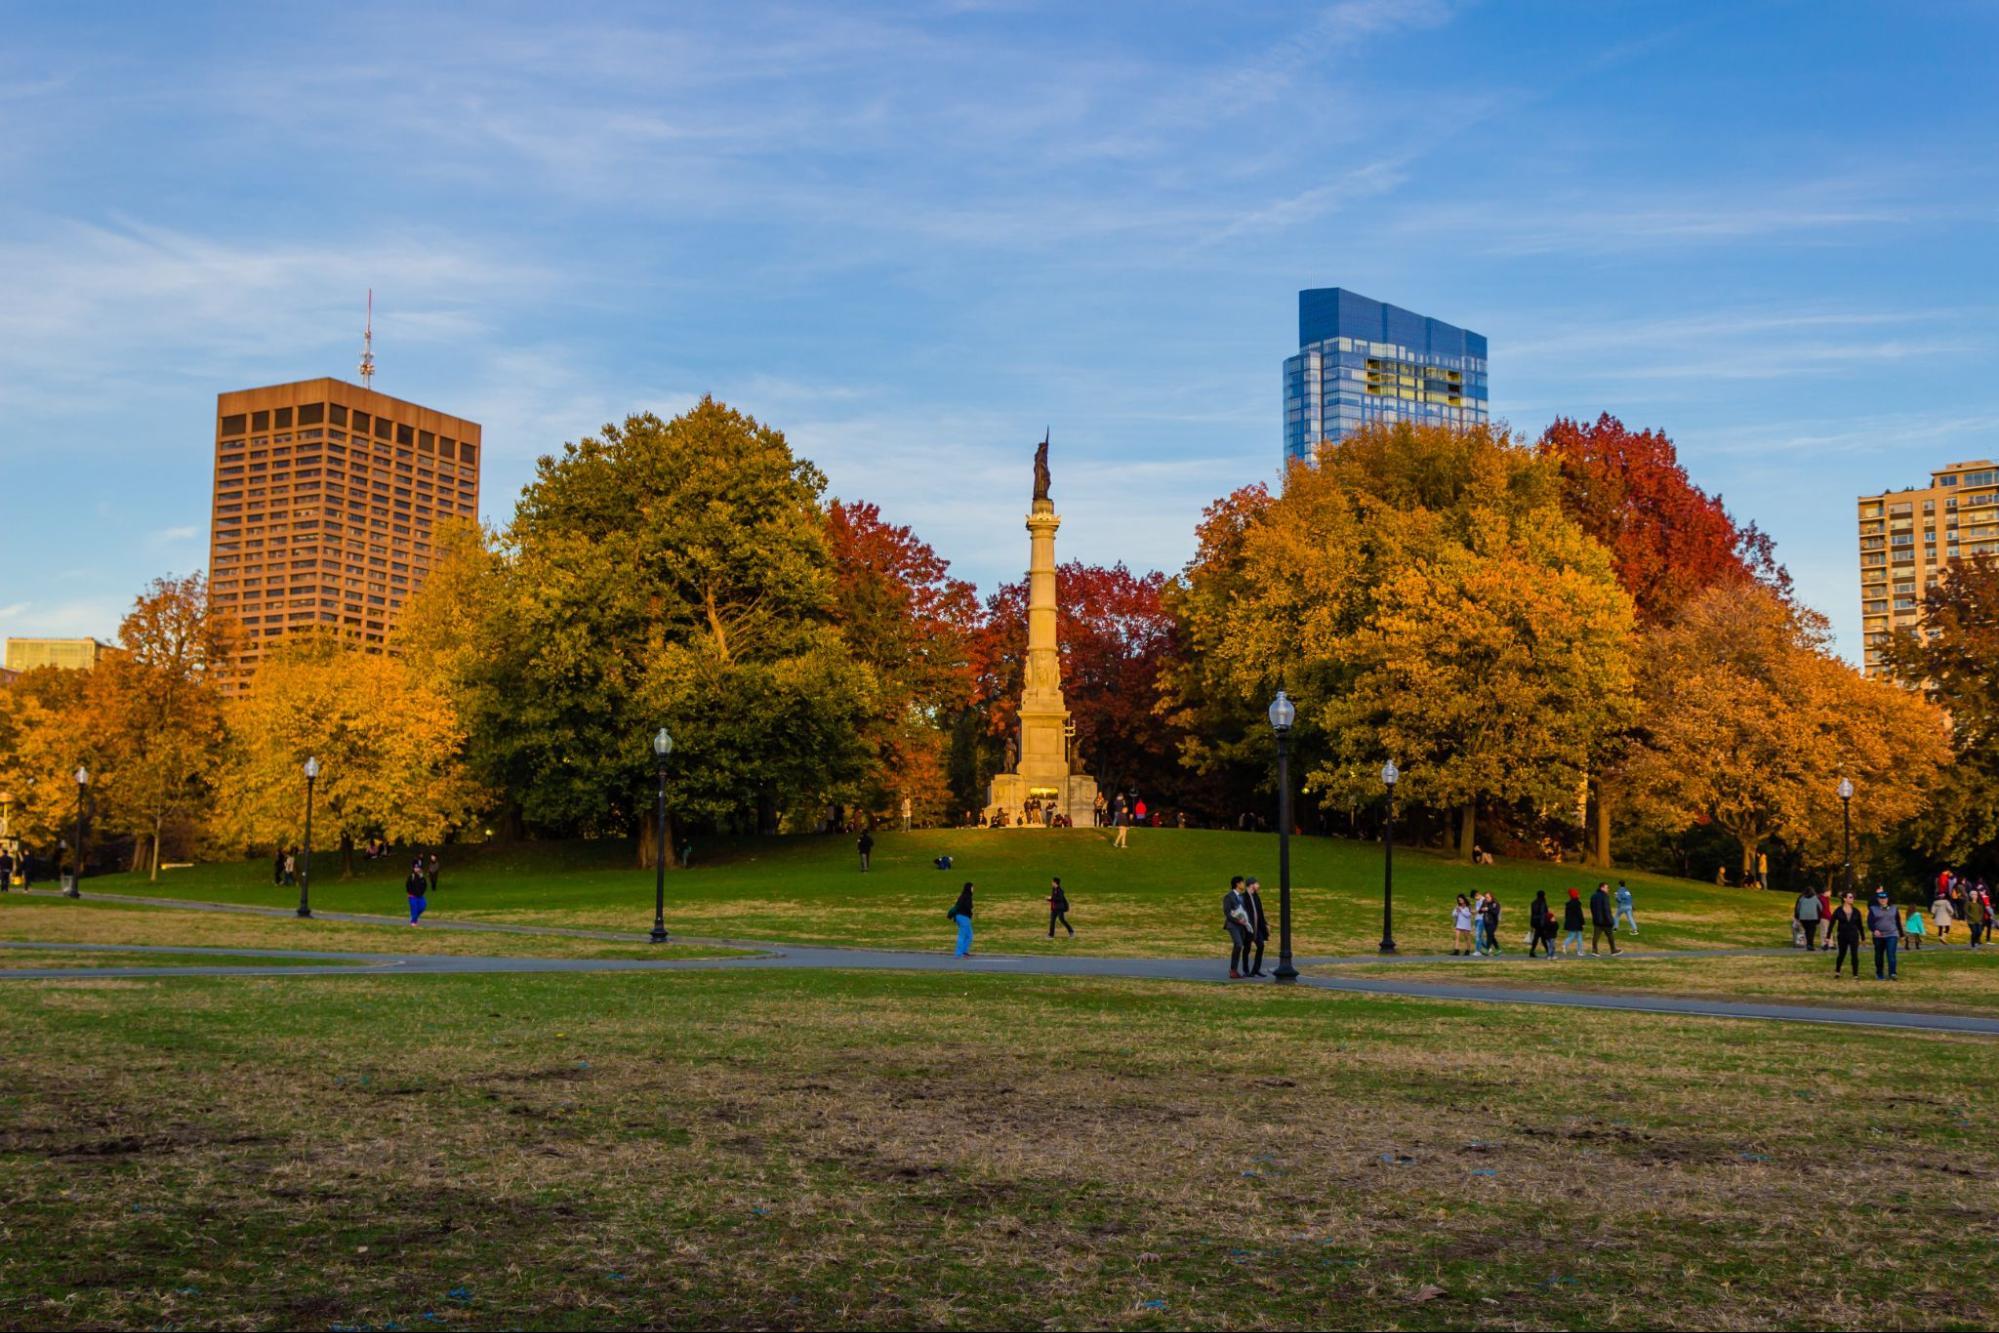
(233, 425)
(260, 421)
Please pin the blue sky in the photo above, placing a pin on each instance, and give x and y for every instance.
(912, 236)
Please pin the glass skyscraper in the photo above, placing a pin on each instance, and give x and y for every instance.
(1360, 362)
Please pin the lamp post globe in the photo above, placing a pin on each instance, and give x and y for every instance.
(1846, 831)
(1282, 714)
(305, 867)
(75, 889)
(662, 746)
(1390, 775)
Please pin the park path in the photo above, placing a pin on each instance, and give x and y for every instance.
(794, 956)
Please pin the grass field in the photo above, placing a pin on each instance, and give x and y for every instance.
(52, 920)
(1954, 980)
(845, 1150)
(1160, 897)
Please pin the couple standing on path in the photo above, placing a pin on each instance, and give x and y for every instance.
(1248, 927)
(961, 913)
(1850, 924)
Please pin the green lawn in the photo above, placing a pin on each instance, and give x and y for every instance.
(1161, 896)
(84, 921)
(841, 1150)
(1954, 980)
(14, 960)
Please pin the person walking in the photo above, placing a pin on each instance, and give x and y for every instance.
(278, 868)
(1603, 922)
(1572, 923)
(1847, 928)
(1235, 920)
(1122, 818)
(1624, 917)
(1887, 932)
(866, 847)
(1058, 908)
(1942, 914)
(431, 870)
(1461, 922)
(1488, 920)
(1977, 916)
(907, 811)
(961, 913)
(1259, 925)
(291, 867)
(1913, 928)
(6, 870)
(415, 889)
(1805, 912)
(1540, 931)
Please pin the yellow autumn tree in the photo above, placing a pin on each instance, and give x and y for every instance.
(389, 747)
(1751, 722)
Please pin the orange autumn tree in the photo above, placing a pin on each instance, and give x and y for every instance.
(1753, 722)
(1669, 541)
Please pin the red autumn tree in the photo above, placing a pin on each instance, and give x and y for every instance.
(1669, 539)
(912, 624)
(1116, 638)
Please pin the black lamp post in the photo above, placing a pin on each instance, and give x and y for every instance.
(75, 889)
(662, 746)
(1389, 776)
(305, 870)
(1282, 714)
(1846, 831)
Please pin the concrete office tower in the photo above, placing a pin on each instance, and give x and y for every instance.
(325, 498)
(1361, 362)
(1907, 538)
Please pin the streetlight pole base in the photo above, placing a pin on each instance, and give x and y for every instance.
(659, 934)
(1388, 946)
(304, 913)
(72, 892)
(1285, 972)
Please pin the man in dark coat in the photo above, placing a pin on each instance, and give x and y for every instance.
(1235, 920)
(1259, 925)
(866, 846)
(1603, 920)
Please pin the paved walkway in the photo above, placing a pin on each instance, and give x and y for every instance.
(792, 956)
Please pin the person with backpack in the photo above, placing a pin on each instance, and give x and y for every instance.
(866, 846)
(1847, 928)
(961, 913)
(1259, 926)
(415, 889)
(1603, 924)
(1886, 928)
(1058, 908)
(1806, 913)
(1235, 920)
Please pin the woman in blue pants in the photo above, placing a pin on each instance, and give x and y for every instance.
(415, 888)
(961, 912)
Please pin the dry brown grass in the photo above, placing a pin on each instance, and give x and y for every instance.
(811, 1150)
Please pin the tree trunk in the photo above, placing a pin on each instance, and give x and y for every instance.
(1467, 829)
(648, 842)
(1602, 848)
(346, 854)
(155, 875)
(1748, 858)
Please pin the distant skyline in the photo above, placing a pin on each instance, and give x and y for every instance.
(912, 236)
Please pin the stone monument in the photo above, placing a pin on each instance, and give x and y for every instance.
(1042, 764)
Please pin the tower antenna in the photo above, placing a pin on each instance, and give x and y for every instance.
(368, 345)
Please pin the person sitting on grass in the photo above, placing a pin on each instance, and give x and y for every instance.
(415, 889)
(1848, 928)
(961, 912)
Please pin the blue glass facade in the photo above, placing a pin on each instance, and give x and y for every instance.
(1360, 362)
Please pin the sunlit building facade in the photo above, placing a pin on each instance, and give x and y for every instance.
(1362, 362)
(1907, 540)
